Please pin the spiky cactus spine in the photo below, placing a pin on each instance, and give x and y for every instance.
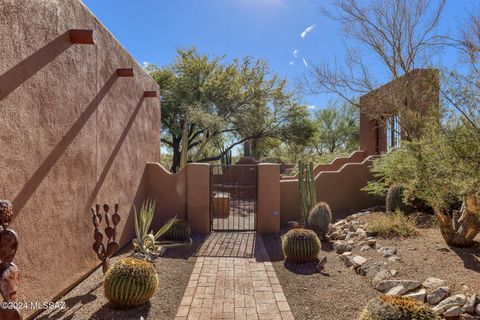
(130, 282)
(319, 219)
(301, 245)
(179, 231)
(396, 199)
(397, 308)
(306, 190)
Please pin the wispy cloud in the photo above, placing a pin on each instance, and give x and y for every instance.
(291, 63)
(145, 64)
(311, 107)
(305, 62)
(307, 30)
(295, 53)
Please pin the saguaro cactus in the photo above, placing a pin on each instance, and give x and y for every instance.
(8, 270)
(306, 190)
(104, 252)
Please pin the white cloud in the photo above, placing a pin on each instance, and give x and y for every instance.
(295, 53)
(307, 30)
(145, 64)
(305, 62)
(291, 63)
(311, 107)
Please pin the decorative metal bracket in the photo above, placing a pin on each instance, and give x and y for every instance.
(8, 270)
(105, 252)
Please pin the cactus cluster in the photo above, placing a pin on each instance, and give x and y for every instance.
(395, 200)
(179, 231)
(306, 190)
(397, 308)
(130, 282)
(301, 245)
(319, 219)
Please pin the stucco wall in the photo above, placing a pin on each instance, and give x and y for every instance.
(72, 134)
(341, 189)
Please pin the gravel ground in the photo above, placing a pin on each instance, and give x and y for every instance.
(86, 301)
(341, 293)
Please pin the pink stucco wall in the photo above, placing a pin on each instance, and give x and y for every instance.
(72, 133)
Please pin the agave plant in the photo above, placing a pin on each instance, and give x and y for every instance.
(147, 242)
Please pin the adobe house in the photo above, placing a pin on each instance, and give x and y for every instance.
(339, 183)
(79, 125)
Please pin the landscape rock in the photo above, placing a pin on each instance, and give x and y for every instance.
(466, 316)
(453, 312)
(386, 285)
(339, 223)
(350, 236)
(380, 276)
(365, 248)
(341, 246)
(433, 283)
(469, 306)
(387, 251)
(397, 291)
(358, 261)
(438, 295)
(395, 259)
(457, 300)
(418, 295)
(393, 272)
(477, 309)
(360, 233)
(363, 270)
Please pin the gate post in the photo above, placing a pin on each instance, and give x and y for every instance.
(198, 197)
(268, 198)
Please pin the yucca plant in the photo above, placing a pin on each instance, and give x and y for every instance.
(146, 241)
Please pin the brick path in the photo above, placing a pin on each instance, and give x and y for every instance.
(234, 288)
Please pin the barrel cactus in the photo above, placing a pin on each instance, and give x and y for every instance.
(319, 219)
(301, 245)
(130, 282)
(397, 308)
(396, 199)
(179, 231)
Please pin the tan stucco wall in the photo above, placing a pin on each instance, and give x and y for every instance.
(72, 134)
(268, 198)
(168, 190)
(341, 189)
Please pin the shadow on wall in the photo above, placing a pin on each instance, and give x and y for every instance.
(116, 149)
(29, 188)
(20, 73)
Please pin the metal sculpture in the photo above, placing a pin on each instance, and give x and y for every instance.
(105, 251)
(8, 270)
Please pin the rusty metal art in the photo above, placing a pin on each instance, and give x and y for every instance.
(104, 252)
(8, 270)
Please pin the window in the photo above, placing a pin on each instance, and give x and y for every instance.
(393, 132)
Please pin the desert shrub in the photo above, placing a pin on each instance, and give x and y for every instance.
(392, 225)
(397, 308)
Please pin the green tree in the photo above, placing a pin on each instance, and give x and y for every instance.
(209, 101)
(337, 129)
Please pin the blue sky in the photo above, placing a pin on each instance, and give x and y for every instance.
(151, 30)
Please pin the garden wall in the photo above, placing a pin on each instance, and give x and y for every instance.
(341, 189)
(73, 133)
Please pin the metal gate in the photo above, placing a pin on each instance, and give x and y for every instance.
(233, 197)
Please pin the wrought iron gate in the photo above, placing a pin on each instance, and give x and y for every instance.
(233, 197)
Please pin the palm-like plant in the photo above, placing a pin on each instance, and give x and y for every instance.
(146, 241)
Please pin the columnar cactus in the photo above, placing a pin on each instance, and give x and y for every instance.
(130, 282)
(395, 200)
(179, 231)
(306, 190)
(397, 308)
(301, 245)
(319, 219)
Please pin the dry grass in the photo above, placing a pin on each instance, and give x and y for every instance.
(388, 225)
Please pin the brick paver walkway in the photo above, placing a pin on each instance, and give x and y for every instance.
(234, 288)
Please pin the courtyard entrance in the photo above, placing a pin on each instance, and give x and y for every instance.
(233, 197)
